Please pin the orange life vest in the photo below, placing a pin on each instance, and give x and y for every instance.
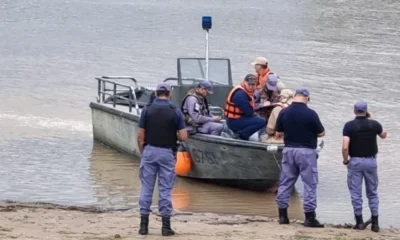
(263, 78)
(231, 110)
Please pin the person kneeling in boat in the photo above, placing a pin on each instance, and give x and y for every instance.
(198, 117)
(285, 99)
(239, 110)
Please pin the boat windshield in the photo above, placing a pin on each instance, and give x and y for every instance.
(191, 70)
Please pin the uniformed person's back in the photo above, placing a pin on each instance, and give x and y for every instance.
(360, 144)
(161, 125)
(301, 127)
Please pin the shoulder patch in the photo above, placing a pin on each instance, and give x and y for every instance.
(196, 107)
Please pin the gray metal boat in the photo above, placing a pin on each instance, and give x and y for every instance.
(227, 161)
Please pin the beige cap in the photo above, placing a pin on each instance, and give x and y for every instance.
(261, 61)
(286, 93)
(287, 96)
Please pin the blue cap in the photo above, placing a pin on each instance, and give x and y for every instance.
(360, 107)
(206, 85)
(272, 82)
(163, 87)
(302, 91)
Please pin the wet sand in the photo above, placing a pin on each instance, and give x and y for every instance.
(48, 221)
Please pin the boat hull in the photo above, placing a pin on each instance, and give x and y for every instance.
(229, 162)
(215, 157)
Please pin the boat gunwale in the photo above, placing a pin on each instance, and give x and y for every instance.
(198, 136)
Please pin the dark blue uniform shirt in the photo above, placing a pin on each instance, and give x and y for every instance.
(300, 126)
(180, 121)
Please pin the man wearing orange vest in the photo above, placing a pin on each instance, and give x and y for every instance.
(261, 66)
(239, 109)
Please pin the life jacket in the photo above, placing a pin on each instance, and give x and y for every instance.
(202, 101)
(231, 110)
(262, 78)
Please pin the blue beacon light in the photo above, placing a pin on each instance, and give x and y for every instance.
(206, 22)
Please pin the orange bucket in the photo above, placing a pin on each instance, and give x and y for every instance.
(183, 162)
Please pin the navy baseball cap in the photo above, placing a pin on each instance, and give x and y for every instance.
(360, 107)
(302, 91)
(206, 85)
(163, 87)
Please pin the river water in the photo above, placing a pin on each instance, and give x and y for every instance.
(50, 51)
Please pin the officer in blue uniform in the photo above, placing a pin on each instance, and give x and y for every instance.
(161, 125)
(359, 143)
(301, 127)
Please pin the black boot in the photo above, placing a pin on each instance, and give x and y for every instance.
(166, 227)
(311, 221)
(374, 224)
(283, 216)
(144, 225)
(359, 223)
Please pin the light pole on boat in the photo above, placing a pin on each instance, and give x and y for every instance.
(206, 24)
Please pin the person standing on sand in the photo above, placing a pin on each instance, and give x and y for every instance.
(301, 127)
(359, 143)
(160, 126)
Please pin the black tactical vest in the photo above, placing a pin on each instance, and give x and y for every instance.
(161, 126)
(363, 141)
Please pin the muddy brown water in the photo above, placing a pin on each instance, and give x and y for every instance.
(51, 50)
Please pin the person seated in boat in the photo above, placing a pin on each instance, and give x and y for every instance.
(261, 67)
(198, 117)
(265, 98)
(285, 99)
(268, 94)
(240, 113)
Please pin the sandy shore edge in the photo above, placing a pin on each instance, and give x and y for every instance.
(51, 221)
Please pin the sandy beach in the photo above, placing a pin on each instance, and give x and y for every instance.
(48, 221)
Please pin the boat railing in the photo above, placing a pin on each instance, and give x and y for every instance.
(103, 90)
(216, 111)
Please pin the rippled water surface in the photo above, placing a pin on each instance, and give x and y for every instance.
(51, 50)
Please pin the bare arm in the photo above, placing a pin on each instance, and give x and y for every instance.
(278, 134)
(321, 134)
(345, 148)
(182, 135)
(379, 130)
(383, 134)
(140, 139)
(182, 132)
